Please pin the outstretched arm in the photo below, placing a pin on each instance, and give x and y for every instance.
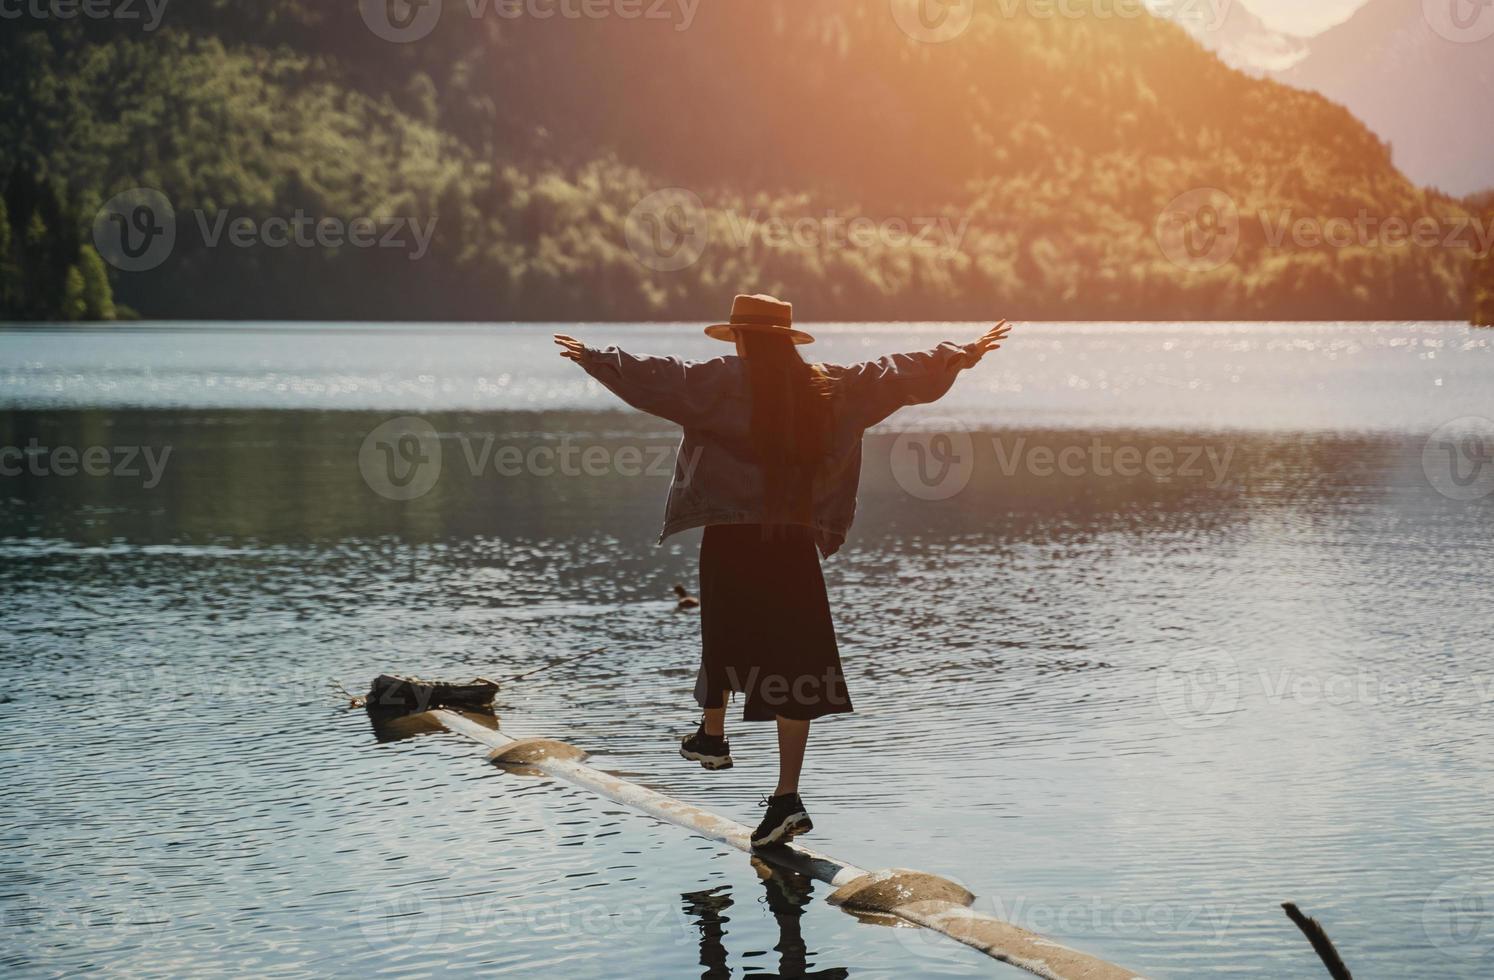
(880, 387)
(680, 391)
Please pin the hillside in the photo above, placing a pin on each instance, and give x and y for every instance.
(1427, 91)
(1028, 160)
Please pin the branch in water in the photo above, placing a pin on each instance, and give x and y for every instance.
(1320, 942)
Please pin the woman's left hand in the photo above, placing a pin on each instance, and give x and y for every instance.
(571, 348)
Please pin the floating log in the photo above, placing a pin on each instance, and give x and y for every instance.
(395, 726)
(921, 899)
(394, 694)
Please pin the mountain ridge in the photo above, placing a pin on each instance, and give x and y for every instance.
(1423, 91)
(1054, 148)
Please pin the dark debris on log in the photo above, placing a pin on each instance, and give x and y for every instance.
(393, 694)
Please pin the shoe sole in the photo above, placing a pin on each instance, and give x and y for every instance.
(792, 826)
(711, 762)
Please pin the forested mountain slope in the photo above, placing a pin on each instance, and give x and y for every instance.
(1019, 168)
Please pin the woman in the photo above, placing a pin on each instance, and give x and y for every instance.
(769, 466)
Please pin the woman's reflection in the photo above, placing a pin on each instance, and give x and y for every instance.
(787, 894)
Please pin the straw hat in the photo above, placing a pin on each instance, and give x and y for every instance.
(764, 314)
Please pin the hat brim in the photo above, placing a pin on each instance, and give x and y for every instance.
(728, 332)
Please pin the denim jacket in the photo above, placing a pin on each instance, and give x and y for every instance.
(716, 478)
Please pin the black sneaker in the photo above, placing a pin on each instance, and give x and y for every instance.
(786, 819)
(711, 751)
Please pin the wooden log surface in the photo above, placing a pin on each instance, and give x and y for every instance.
(916, 898)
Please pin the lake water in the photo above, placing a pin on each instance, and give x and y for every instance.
(1206, 376)
(1149, 627)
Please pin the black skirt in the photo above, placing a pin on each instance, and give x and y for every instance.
(765, 624)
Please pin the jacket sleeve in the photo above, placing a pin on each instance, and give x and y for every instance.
(878, 388)
(667, 387)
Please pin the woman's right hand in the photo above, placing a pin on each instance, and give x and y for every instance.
(989, 341)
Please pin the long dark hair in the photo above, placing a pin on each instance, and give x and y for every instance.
(790, 424)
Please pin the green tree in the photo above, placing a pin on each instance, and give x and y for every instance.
(34, 275)
(1482, 282)
(1483, 288)
(74, 306)
(98, 296)
(420, 98)
(10, 276)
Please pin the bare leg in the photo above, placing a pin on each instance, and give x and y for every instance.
(793, 736)
(715, 720)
